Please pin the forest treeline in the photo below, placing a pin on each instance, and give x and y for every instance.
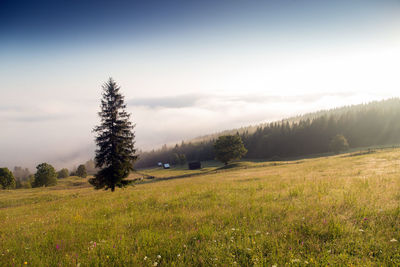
(25, 179)
(375, 123)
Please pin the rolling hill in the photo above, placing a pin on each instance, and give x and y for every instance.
(336, 210)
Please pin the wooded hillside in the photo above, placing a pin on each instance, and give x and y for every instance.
(375, 123)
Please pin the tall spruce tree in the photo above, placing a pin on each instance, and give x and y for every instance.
(115, 140)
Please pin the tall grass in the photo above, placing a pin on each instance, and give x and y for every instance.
(337, 210)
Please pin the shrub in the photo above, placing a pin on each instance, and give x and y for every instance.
(7, 180)
(45, 175)
(81, 171)
(63, 173)
(339, 143)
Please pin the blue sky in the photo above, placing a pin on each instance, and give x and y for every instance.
(187, 68)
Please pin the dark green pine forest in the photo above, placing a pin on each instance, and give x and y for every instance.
(364, 125)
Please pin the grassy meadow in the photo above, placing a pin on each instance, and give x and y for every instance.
(336, 210)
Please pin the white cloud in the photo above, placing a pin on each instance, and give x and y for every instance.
(49, 104)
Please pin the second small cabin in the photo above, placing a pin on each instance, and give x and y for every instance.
(194, 165)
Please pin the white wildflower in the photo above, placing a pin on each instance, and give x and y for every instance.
(155, 263)
(393, 240)
(158, 256)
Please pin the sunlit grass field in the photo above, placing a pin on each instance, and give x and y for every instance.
(338, 210)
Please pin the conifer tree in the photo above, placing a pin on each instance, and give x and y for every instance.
(115, 140)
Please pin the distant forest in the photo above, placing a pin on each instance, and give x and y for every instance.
(375, 123)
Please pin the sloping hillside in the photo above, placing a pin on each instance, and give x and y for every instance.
(375, 123)
(337, 210)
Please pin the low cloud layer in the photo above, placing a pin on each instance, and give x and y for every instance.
(202, 100)
(181, 101)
